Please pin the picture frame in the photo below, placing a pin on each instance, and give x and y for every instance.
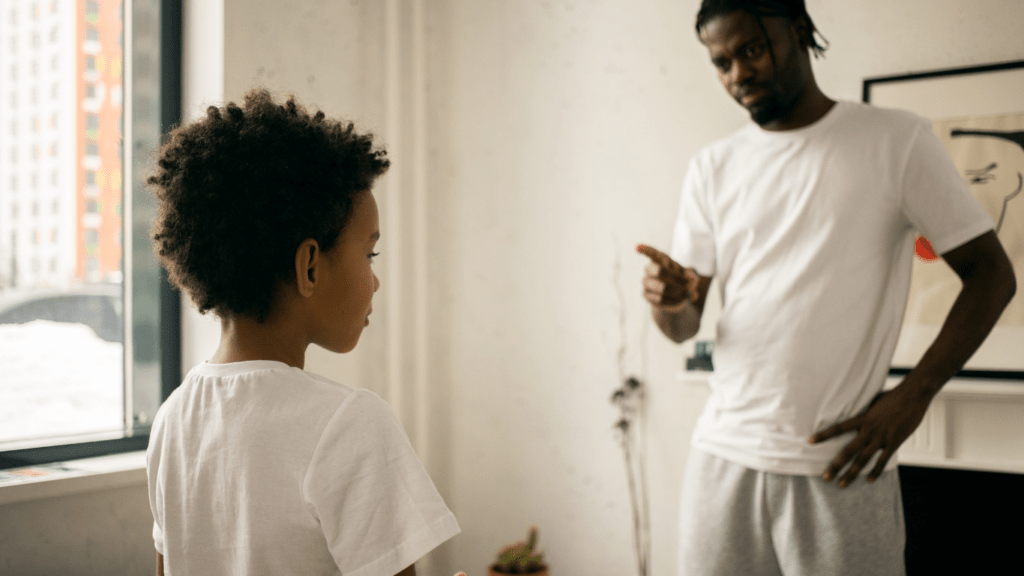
(978, 114)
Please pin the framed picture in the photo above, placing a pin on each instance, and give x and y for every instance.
(978, 114)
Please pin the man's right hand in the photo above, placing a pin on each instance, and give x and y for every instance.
(667, 284)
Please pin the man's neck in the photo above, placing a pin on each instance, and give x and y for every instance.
(810, 107)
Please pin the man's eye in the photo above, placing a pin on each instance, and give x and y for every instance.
(754, 51)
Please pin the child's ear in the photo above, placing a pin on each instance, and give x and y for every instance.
(307, 261)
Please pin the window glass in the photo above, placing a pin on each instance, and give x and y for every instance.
(62, 313)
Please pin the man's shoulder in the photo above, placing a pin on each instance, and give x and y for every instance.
(862, 115)
(721, 150)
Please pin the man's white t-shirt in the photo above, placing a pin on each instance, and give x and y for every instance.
(261, 468)
(810, 234)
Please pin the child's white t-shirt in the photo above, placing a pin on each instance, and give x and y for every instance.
(261, 468)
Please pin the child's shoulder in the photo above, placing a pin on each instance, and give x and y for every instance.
(264, 382)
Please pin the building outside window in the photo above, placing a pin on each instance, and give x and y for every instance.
(82, 366)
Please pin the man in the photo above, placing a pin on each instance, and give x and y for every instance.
(807, 217)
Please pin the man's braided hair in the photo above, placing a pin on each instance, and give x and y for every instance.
(791, 9)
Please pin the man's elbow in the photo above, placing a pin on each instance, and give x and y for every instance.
(1007, 280)
(1011, 286)
(1000, 282)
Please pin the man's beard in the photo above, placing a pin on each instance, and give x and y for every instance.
(774, 107)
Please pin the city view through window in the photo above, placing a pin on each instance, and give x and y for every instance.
(61, 224)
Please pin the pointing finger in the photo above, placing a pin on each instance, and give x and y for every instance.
(657, 256)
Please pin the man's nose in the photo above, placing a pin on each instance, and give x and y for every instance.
(741, 73)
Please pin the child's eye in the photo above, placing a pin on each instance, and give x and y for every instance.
(372, 254)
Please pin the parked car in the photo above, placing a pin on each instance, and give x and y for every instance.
(98, 306)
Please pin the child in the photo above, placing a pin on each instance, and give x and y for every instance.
(255, 466)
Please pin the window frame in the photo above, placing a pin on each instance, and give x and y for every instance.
(169, 305)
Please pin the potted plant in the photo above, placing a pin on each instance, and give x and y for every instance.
(520, 558)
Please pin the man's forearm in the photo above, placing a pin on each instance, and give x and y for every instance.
(984, 296)
(678, 326)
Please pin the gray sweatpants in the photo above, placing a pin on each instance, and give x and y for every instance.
(738, 521)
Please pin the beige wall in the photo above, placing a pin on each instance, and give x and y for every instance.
(553, 138)
(557, 125)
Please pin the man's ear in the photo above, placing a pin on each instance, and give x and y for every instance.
(308, 259)
(804, 33)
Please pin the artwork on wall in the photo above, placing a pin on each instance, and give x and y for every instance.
(978, 115)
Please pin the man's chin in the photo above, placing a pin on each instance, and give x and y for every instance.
(766, 114)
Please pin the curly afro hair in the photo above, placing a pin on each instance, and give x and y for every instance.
(241, 188)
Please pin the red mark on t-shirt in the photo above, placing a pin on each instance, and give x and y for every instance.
(923, 249)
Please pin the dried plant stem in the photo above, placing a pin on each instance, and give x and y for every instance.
(637, 532)
(632, 424)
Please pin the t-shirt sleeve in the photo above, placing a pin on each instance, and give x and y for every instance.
(377, 506)
(153, 454)
(693, 238)
(936, 198)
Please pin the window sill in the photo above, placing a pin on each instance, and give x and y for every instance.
(72, 477)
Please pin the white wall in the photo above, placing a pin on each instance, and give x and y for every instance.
(556, 138)
(557, 134)
(557, 125)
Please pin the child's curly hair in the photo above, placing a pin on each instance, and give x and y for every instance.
(240, 189)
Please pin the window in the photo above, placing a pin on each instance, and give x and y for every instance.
(92, 34)
(69, 274)
(90, 91)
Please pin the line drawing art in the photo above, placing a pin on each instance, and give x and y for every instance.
(983, 176)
